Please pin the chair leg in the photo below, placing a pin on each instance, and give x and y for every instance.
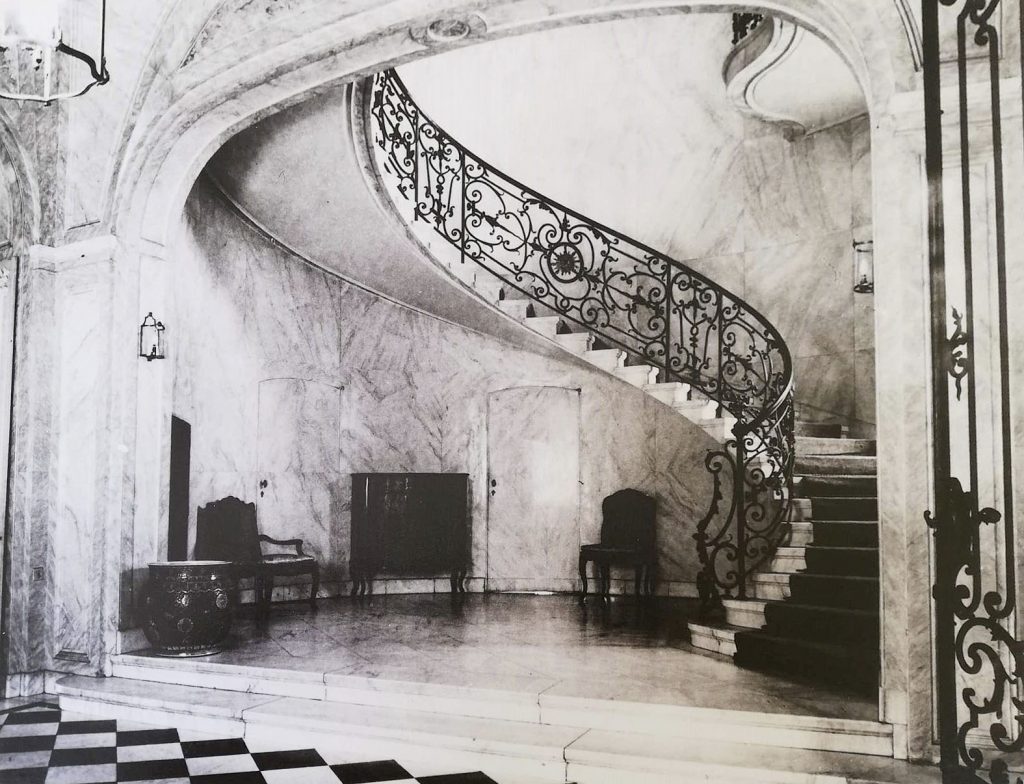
(606, 581)
(636, 580)
(583, 576)
(268, 595)
(315, 588)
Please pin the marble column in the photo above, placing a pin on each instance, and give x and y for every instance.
(61, 510)
(902, 388)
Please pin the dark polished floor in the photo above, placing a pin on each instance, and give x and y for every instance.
(533, 643)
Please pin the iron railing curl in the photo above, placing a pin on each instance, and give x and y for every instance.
(629, 296)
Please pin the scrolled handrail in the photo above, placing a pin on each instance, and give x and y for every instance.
(627, 294)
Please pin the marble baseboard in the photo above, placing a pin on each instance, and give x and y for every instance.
(334, 588)
(26, 684)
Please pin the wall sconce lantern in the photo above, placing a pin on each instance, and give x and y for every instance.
(151, 339)
(31, 40)
(864, 266)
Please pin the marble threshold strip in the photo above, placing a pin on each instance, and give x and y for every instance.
(496, 731)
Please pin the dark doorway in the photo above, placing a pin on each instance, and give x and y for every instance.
(177, 513)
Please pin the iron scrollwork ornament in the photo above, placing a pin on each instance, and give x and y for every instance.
(626, 294)
(959, 360)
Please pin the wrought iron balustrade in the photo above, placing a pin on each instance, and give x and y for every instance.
(628, 295)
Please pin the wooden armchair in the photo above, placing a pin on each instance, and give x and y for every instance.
(627, 539)
(226, 531)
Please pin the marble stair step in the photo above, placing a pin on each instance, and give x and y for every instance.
(842, 561)
(842, 625)
(819, 429)
(544, 325)
(847, 591)
(788, 560)
(519, 309)
(637, 375)
(487, 285)
(671, 393)
(837, 664)
(717, 638)
(811, 445)
(835, 485)
(719, 429)
(606, 358)
(770, 586)
(578, 343)
(801, 534)
(696, 410)
(846, 508)
(466, 700)
(748, 613)
(837, 533)
(864, 465)
(604, 758)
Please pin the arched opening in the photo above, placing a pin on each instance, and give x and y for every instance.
(163, 169)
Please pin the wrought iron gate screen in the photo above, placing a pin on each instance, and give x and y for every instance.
(979, 660)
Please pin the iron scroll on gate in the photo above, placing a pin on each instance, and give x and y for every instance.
(968, 63)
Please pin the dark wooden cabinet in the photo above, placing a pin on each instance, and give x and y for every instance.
(410, 526)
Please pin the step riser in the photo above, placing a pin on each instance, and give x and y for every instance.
(845, 669)
(786, 620)
(263, 724)
(853, 564)
(844, 534)
(215, 725)
(721, 643)
(637, 375)
(788, 560)
(746, 614)
(807, 589)
(578, 343)
(808, 446)
(853, 465)
(771, 592)
(836, 487)
(607, 359)
(844, 508)
(819, 430)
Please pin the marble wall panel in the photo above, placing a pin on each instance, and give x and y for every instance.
(817, 319)
(798, 189)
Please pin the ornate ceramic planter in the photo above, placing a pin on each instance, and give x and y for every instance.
(189, 607)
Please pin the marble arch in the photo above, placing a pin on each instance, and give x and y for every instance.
(186, 108)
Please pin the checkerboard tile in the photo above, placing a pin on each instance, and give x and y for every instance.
(38, 745)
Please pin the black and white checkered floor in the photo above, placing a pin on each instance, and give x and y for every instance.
(40, 745)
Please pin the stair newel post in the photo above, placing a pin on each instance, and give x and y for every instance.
(739, 481)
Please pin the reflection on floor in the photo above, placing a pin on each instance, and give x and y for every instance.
(42, 745)
(530, 643)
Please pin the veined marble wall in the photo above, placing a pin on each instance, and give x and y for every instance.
(290, 374)
(660, 153)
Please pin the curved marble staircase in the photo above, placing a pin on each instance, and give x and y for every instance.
(815, 614)
(692, 404)
(815, 611)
